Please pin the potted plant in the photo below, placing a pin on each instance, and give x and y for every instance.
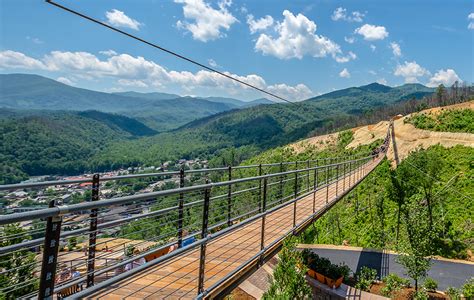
(323, 270)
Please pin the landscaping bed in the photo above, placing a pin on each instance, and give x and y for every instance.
(406, 293)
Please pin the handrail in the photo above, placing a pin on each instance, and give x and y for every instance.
(172, 211)
(17, 186)
(64, 209)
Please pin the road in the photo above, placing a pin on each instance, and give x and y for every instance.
(445, 272)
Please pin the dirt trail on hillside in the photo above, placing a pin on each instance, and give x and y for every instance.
(408, 138)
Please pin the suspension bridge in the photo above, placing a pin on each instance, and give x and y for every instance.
(196, 241)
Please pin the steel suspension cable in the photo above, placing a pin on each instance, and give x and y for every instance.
(180, 56)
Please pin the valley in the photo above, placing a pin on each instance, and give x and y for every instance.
(246, 130)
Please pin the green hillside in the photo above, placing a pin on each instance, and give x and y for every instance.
(368, 216)
(258, 128)
(363, 98)
(149, 96)
(45, 142)
(452, 120)
(247, 131)
(24, 91)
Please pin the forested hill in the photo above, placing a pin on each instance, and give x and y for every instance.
(281, 123)
(248, 130)
(160, 111)
(372, 95)
(58, 142)
(254, 129)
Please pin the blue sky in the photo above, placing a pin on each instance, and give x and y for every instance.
(296, 49)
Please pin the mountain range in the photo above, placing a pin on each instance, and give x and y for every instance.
(48, 127)
(160, 111)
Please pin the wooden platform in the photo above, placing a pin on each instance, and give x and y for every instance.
(178, 277)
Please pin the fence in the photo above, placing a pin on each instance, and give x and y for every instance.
(89, 245)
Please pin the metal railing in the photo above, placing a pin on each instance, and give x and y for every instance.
(109, 236)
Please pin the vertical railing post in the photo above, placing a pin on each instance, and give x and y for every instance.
(327, 184)
(350, 172)
(229, 198)
(260, 189)
(309, 172)
(344, 170)
(296, 196)
(315, 186)
(205, 223)
(93, 232)
(181, 208)
(50, 256)
(337, 178)
(281, 183)
(360, 169)
(264, 209)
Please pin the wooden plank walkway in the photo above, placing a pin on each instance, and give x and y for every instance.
(178, 277)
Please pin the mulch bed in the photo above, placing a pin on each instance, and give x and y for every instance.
(404, 294)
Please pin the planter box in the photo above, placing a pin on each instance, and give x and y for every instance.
(325, 280)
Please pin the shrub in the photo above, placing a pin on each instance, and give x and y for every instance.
(468, 289)
(453, 293)
(393, 283)
(288, 280)
(420, 295)
(430, 284)
(72, 243)
(346, 273)
(365, 277)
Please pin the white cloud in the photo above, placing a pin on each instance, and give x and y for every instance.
(445, 77)
(410, 71)
(212, 63)
(108, 52)
(296, 38)
(372, 32)
(292, 93)
(260, 24)
(344, 59)
(17, 60)
(372, 47)
(397, 51)
(382, 81)
(133, 71)
(118, 18)
(64, 80)
(345, 73)
(372, 72)
(341, 14)
(206, 22)
(350, 39)
(470, 17)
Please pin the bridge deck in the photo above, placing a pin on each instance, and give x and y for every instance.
(178, 277)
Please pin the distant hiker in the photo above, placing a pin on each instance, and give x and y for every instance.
(75, 273)
(187, 241)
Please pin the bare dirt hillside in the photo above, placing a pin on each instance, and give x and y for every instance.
(408, 138)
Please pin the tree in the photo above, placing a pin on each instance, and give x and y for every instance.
(440, 92)
(422, 169)
(20, 280)
(288, 281)
(396, 193)
(416, 266)
(420, 238)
